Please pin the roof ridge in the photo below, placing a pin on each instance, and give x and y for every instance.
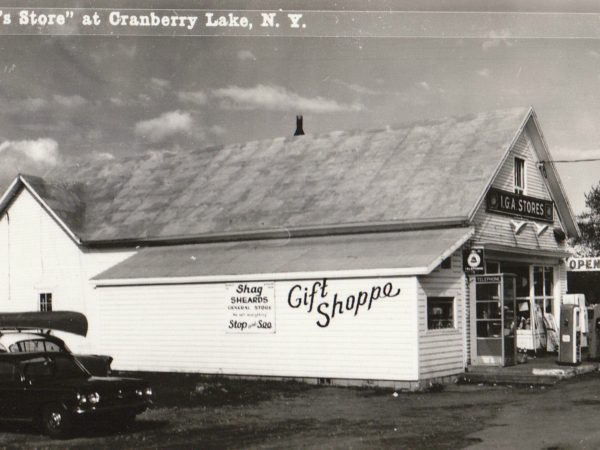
(337, 132)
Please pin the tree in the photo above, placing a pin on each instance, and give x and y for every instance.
(589, 225)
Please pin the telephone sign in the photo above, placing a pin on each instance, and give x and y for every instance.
(473, 261)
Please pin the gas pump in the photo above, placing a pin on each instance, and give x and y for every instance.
(569, 350)
(594, 332)
(579, 300)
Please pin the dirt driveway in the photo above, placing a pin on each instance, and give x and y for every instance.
(222, 413)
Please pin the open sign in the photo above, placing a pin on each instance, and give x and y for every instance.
(589, 264)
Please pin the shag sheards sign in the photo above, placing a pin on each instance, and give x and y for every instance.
(250, 307)
(329, 304)
(504, 202)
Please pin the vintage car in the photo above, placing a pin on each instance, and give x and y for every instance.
(28, 332)
(55, 391)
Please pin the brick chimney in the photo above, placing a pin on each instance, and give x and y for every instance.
(299, 130)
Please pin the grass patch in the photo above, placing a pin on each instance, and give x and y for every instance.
(191, 389)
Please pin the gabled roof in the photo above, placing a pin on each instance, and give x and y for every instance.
(433, 172)
(376, 254)
(557, 191)
(62, 201)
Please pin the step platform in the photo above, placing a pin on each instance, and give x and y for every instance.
(539, 371)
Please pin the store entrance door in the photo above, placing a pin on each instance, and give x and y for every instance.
(494, 320)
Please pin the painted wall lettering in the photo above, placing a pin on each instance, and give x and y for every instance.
(250, 307)
(299, 295)
(329, 305)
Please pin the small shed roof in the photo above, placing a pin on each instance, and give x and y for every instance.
(392, 253)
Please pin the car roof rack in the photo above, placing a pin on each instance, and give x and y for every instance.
(4, 330)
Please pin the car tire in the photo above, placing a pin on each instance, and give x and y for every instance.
(56, 422)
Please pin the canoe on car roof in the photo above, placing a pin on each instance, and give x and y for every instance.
(69, 321)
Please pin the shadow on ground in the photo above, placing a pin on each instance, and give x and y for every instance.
(191, 390)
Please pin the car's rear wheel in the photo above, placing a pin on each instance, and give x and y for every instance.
(56, 421)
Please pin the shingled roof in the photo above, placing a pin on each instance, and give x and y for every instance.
(378, 254)
(413, 174)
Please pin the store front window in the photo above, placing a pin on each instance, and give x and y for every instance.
(535, 302)
(543, 283)
(523, 284)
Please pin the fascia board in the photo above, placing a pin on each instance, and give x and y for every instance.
(371, 273)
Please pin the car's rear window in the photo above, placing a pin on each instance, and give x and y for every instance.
(33, 346)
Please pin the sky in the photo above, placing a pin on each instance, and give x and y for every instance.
(103, 97)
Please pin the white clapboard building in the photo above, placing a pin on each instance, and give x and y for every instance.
(397, 256)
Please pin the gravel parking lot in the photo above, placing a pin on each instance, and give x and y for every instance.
(220, 413)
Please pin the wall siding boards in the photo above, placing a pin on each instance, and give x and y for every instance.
(467, 320)
(40, 257)
(441, 352)
(4, 259)
(494, 228)
(380, 343)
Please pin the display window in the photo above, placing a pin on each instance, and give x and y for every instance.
(536, 324)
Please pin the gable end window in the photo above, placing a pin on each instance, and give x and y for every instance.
(519, 176)
(440, 313)
(46, 301)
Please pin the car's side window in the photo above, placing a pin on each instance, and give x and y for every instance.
(37, 368)
(31, 346)
(52, 347)
(8, 373)
(3, 349)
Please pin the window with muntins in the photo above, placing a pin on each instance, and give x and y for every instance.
(519, 176)
(440, 313)
(46, 301)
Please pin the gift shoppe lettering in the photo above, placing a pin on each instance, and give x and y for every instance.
(330, 305)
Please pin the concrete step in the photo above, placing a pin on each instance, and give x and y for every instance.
(513, 379)
(525, 374)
